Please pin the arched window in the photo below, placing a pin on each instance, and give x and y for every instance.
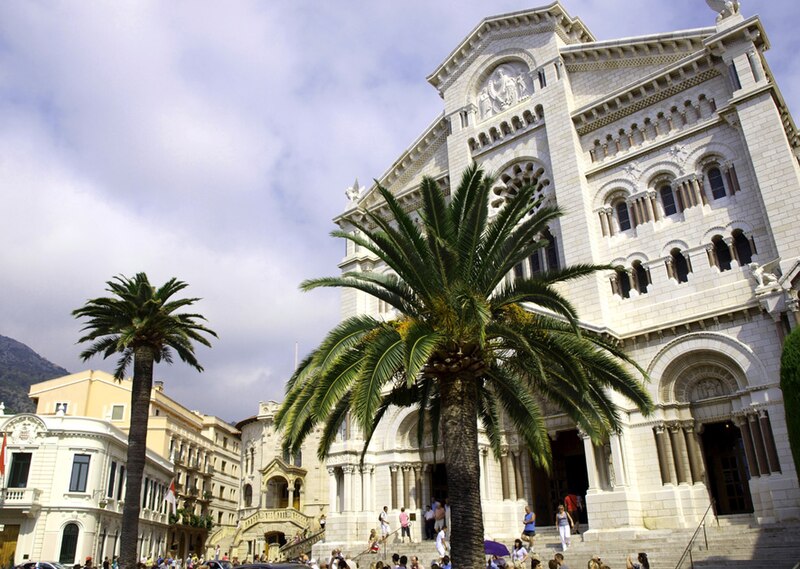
(622, 283)
(623, 216)
(742, 247)
(722, 253)
(298, 458)
(248, 495)
(678, 266)
(518, 271)
(69, 544)
(668, 200)
(641, 277)
(535, 262)
(716, 182)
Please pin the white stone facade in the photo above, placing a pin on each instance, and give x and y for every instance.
(64, 490)
(673, 158)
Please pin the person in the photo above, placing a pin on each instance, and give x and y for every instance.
(490, 563)
(106, 563)
(405, 526)
(441, 541)
(395, 560)
(552, 564)
(519, 555)
(403, 562)
(322, 521)
(372, 541)
(535, 563)
(447, 519)
(383, 519)
(574, 505)
(216, 553)
(563, 523)
(446, 563)
(429, 521)
(641, 562)
(415, 563)
(499, 561)
(559, 557)
(594, 563)
(529, 526)
(438, 516)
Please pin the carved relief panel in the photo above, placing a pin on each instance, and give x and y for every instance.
(506, 86)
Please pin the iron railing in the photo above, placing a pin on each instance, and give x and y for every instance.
(701, 525)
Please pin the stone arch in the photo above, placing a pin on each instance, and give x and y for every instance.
(663, 168)
(714, 150)
(608, 190)
(501, 86)
(739, 224)
(660, 177)
(674, 244)
(636, 256)
(734, 359)
(518, 172)
(700, 375)
(711, 232)
(506, 56)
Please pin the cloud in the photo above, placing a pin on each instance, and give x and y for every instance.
(212, 142)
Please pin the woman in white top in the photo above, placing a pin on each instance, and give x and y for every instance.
(519, 555)
(441, 541)
(564, 523)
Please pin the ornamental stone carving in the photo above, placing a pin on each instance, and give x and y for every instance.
(25, 430)
(507, 85)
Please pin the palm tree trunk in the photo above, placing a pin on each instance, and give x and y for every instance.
(137, 449)
(459, 419)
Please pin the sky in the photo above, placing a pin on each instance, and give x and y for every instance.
(213, 142)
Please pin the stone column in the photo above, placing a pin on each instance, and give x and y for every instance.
(406, 486)
(698, 188)
(417, 499)
(663, 455)
(358, 484)
(769, 441)
(520, 490)
(332, 498)
(679, 453)
(695, 456)
(504, 473)
(291, 493)
(618, 461)
(609, 211)
(749, 451)
(591, 462)
(484, 472)
(365, 489)
(393, 476)
(758, 443)
(347, 487)
(426, 484)
(604, 223)
(512, 476)
(652, 210)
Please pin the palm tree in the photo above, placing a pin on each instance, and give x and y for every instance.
(462, 348)
(141, 323)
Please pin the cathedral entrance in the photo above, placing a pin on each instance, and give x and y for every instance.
(726, 468)
(438, 482)
(568, 476)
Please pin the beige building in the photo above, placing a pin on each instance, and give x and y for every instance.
(64, 489)
(203, 449)
(675, 159)
(282, 496)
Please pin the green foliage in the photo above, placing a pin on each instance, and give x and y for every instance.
(790, 385)
(458, 314)
(187, 518)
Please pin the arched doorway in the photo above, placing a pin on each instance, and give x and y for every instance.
(69, 544)
(277, 493)
(568, 475)
(273, 542)
(727, 472)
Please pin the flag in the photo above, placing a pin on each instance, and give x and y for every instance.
(171, 497)
(3, 457)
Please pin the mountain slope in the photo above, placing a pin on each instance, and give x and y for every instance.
(20, 367)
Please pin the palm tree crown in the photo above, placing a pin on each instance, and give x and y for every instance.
(468, 344)
(141, 323)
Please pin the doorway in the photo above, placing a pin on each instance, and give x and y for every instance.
(726, 468)
(439, 482)
(568, 475)
(8, 544)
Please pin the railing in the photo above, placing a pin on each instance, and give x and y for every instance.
(701, 525)
(275, 515)
(293, 550)
(383, 541)
(25, 499)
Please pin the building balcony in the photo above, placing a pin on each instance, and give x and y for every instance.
(21, 500)
(275, 515)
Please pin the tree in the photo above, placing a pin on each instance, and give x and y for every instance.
(462, 348)
(142, 324)
(790, 386)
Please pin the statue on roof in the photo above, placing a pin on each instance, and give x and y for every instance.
(353, 192)
(724, 8)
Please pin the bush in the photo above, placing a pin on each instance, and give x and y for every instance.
(790, 385)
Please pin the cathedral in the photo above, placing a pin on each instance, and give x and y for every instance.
(674, 159)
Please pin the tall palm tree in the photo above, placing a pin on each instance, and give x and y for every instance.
(468, 344)
(142, 324)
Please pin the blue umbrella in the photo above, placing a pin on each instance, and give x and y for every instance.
(495, 548)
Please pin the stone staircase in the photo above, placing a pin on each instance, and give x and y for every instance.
(730, 545)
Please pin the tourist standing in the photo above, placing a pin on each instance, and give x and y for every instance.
(574, 505)
(383, 518)
(563, 523)
(405, 526)
(372, 541)
(559, 557)
(441, 541)
(216, 553)
(438, 516)
(519, 555)
(429, 521)
(528, 526)
(641, 562)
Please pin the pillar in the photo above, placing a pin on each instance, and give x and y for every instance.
(406, 486)
(758, 443)
(679, 453)
(698, 188)
(649, 203)
(426, 484)
(366, 506)
(769, 441)
(620, 475)
(520, 491)
(291, 493)
(663, 457)
(591, 462)
(393, 482)
(347, 487)
(504, 473)
(332, 499)
(416, 498)
(358, 484)
(749, 450)
(695, 455)
(604, 223)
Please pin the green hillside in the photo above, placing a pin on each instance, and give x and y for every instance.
(20, 367)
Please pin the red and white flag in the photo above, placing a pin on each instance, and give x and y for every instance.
(171, 497)
(3, 457)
